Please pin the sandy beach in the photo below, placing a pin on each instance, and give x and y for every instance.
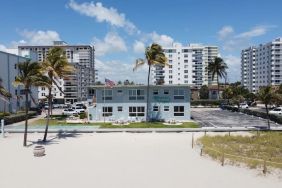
(119, 160)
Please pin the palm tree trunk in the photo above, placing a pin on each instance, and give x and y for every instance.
(48, 115)
(268, 124)
(148, 87)
(26, 117)
(217, 87)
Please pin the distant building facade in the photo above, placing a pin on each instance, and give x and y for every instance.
(75, 86)
(127, 102)
(262, 65)
(187, 65)
(8, 72)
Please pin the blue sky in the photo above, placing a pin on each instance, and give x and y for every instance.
(120, 29)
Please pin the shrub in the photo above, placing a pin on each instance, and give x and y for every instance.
(17, 117)
(59, 116)
(272, 117)
(82, 115)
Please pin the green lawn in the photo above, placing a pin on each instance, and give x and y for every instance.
(109, 125)
(266, 146)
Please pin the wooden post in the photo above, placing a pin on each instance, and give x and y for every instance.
(192, 140)
(205, 132)
(201, 154)
(222, 159)
(229, 133)
(264, 167)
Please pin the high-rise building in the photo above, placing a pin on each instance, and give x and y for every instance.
(187, 65)
(76, 84)
(261, 65)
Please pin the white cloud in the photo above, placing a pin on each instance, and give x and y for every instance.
(163, 40)
(224, 32)
(232, 41)
(234, 67)
(139, 47)
(254, 32)
(103, 14)
(111, 43)
(116, 70)
(36, 38)
(3, 48)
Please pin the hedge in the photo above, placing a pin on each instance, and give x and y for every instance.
(14, 118)
(272, 117)
(206, 102)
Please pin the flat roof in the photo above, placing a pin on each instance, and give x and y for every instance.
(7, 53)
(141, 86)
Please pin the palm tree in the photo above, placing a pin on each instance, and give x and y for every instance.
(55, 66)
(218, 68)
(29, 73)
(267, 96)
(4, 94)
(155, 57)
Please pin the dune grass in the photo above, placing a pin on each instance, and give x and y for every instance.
(250, 150)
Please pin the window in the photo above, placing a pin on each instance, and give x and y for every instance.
(178, 94)
(170, 66)
(42, 94)
(107, 111)
(43, 88)
(178, 110)
(135, 111)
(107, 94)
(136, 94)
(170, 76)
(170, 71)
(185, 61)
(119, 108)
(166, 91)
(185, 71)
(155, 108)
(155, 92)
(119, 91)
(15, 66)
(166, 108)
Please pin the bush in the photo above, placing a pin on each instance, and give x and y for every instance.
(82, 115)
(206, 102)
(18, 117)
(272, 117)
(59, 116)
(2, 114)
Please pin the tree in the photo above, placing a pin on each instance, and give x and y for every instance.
(154, 56)
(239, 94)
(119, 82)
(4, 94)
(227, 93)
(204, 92)
(55, 66)
(29, 73)
(266, 95)
(217, 68)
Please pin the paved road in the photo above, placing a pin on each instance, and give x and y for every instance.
(215, 117)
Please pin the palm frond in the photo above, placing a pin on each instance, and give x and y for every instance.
(139, 62)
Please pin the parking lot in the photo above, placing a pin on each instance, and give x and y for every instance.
(215, 117)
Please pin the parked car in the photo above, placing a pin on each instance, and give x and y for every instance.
(277, 111)
(69, 111)
(78, 109)
(244, 105)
